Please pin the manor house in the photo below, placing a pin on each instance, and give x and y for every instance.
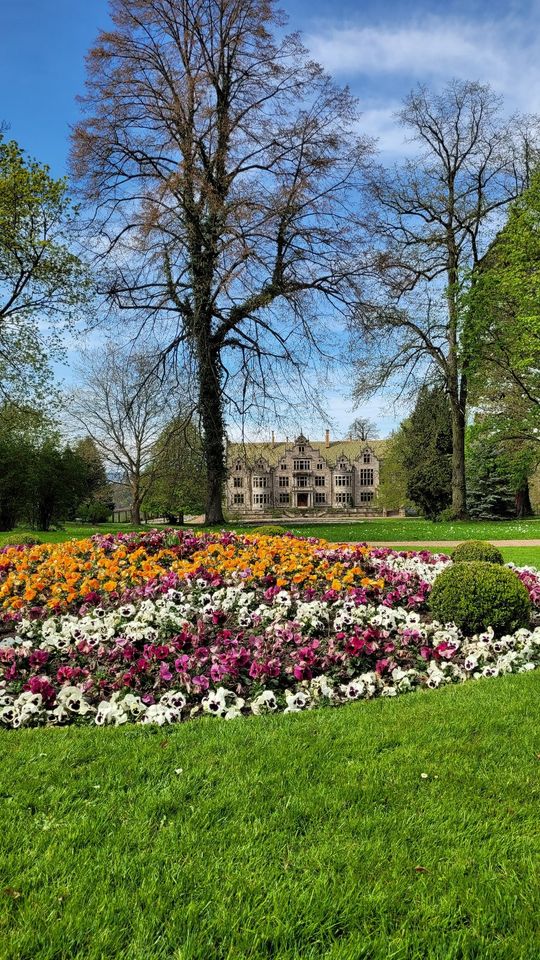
(314, 477)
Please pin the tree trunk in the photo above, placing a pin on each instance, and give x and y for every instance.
(459, 489)
(523, 502)
(210, 406)
(135, 501)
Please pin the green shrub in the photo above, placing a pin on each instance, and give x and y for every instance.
(21, 540)
(268, 530)
(477, 550)
(478, 595)
(95, 511)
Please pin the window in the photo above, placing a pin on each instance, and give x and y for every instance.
(238, 466)
(303, 482)
(343, 498)
(260, 481)
(238, 498)
(320, 497)
(366, 496)
(259, 499)
(343, 481)
(301, 449)
(238, 481)
(320, 465)
(283, 466)
(284, 498)
(283, 481)
(367, 456)
(366, 478)
(320, 481)
(301, 464)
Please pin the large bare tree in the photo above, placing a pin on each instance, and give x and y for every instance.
(434, 217)
(223, 167)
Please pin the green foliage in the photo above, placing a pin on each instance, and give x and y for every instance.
(477, 550)
(478, 595)
(489, 484)
(426, 447)
(41, 481)
(267, 530)
(503, 325)
(176, 479)
(42, 283)
(95, 511)
(392, 489)
(21, 539)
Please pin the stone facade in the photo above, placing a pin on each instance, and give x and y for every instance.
(303, 476)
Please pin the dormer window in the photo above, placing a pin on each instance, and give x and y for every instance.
(238, 466)
(367, 457)
(301, 449)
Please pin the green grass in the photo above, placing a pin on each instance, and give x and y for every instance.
(416, 530)
(308, 837)
(71, 531)
(408, 530)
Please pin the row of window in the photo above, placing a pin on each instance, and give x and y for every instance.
(261, 499)
(366, 480)
(304, 464)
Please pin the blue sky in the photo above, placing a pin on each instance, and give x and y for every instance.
(380, 48)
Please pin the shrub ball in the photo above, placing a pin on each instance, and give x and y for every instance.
(478, 595)
(477, 550)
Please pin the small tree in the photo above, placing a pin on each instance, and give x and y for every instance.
(42, 283)
(57, 484)
(362, 429)
(177, 481)
(433, 219)
(392, 489)
(427, 447)
(123, 405)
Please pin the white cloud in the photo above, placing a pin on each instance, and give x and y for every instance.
(503, 52)
(436, 48)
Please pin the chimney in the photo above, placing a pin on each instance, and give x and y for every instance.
(327, 439)
(273, 439)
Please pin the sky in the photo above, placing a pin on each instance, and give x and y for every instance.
(381, 49)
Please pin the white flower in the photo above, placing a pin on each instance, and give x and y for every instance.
(156, 713)
(265, 703)
(110, 713)
(296, 701)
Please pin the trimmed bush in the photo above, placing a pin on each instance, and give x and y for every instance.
(477, 550)
(478, 595)
(21, 540)
(268, 530)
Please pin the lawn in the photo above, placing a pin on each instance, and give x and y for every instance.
(403, 829)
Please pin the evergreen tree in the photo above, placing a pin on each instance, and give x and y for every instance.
(427, 456)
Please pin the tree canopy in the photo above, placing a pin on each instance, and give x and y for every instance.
(42, 282)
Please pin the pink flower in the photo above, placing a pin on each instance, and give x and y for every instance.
(164, 672)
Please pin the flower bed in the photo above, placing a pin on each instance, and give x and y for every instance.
(163, 626)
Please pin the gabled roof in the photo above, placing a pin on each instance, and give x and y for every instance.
(352, 449)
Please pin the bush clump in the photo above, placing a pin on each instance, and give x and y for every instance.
(478, 595)
(477, 550)
(21, 540)
(268, 530)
